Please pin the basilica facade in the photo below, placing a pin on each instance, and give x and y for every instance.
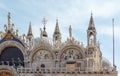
(23, 56)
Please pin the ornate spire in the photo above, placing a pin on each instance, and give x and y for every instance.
(57, 31)
(57, 34)
(91, 23)
(44, 21)
(91, 32)
(30, 30)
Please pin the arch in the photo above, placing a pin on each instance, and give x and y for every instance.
(80, 50)
(42, 65)
(12, 44)
(42, 54)
(5, 70)
(34, 51)
(6, 73)
(12, 56)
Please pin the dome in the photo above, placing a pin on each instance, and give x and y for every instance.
(105, 62)
(44, 40)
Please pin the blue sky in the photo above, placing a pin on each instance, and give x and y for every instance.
(69, 12)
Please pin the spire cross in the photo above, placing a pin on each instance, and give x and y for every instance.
(44, 21)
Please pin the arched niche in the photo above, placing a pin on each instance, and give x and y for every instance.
(12, 44)
(71, 54)
(42, 54)
(12, 56)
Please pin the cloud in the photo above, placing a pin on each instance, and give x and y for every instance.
(104, 9)
(107, 30)
(2, 6)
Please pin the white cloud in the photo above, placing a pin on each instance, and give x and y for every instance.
(107, 30)
(104, 9)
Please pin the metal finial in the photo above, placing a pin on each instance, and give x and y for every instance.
(44, 21)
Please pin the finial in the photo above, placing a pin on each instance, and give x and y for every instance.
(44, 21)
(70, 31)
(57, 20)
(91, 13)
(9, 17)
(30, 23)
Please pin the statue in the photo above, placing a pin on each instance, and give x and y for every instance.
(12, 28)
(9, 25)
(17, 32)
(5, 27)
(41, 33)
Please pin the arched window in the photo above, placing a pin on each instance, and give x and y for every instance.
(91, 39)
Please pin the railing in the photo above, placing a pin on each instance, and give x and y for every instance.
(58, 70)
(23, 69)
(47, 70)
